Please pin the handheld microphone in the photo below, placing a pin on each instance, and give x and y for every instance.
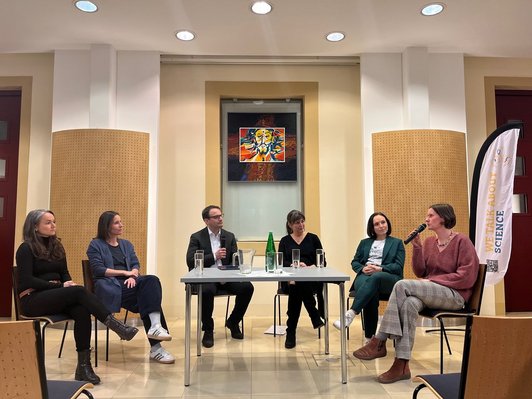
(222, 241)
(419, 229)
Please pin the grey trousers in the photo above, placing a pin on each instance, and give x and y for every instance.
(408, 298)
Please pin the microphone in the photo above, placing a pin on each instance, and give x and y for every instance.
(222, 241)
(419, 229)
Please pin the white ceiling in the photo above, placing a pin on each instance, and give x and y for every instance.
(501, 28)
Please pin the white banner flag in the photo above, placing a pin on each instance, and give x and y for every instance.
(493, 238)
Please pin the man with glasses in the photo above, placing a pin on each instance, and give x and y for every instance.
(218, 246)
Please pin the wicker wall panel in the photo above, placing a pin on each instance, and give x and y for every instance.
(95, 170)
(413, 169)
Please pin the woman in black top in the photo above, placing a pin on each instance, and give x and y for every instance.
(300, 292)
(45, 287)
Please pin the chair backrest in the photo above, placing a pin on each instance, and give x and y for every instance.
(88, 280)
(497, 358)
(475, 301)
(22, 360)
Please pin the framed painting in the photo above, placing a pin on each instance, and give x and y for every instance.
(261, 147)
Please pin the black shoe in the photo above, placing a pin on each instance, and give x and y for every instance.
(208, 339)
(84, 371)
(317, 323)
(290, 341)
(123, 330)
(235, 330)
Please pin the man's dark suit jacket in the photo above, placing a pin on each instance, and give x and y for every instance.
(201, 240)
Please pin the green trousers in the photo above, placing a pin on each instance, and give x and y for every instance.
(368, 291)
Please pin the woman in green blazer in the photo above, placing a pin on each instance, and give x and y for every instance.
(378, 263)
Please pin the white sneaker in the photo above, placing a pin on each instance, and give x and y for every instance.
(161, 355)
(349, 317)
(159, 333)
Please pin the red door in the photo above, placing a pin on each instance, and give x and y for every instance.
(517, 105)
(9, 139)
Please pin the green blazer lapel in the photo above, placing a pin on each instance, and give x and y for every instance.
(387, 245)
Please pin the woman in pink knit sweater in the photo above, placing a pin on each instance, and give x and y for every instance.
(447, 267)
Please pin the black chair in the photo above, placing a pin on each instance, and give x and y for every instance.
(495, 364)
(47, 320)
(351, 296)
(282, 291)
(22, 365)
(88, 282)
(472, 308)
(220, 293)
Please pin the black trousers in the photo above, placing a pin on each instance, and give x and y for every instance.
(75, 301)
(303, 293)
(243, 292)
(145, 298)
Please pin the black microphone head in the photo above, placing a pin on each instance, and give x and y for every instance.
(222, 241)
(419, 229)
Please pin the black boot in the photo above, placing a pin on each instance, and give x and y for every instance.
(84, 371)
(290, 341)
(123, 330)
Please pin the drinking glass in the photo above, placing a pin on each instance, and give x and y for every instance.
(198, 262)
(270, 262)
(278, 260)
(295, 258)
(320, 258)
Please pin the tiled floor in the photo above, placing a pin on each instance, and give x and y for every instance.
(257, 367)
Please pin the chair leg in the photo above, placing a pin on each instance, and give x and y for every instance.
(445, 335)
(347, 307)
(107, 344)
(87, 394)
(95, 342)
(274, 315)
(63, 340)
(43, 331)
(125, 318)
(416, 391)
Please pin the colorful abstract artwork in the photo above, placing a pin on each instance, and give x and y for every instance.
(261, 147)
(262, 144)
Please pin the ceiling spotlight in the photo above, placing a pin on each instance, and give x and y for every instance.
(432, 9)
(185, 35)
(261, 7)
(86, 6)
(335, 36)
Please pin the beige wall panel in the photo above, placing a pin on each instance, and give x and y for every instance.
(414, 169)
(95, 170)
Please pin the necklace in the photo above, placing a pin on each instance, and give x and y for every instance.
(444, 244)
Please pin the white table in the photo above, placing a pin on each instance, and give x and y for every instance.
(214, 275)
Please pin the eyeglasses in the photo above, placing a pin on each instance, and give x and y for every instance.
(217, 217)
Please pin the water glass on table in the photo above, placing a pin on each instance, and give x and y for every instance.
(198, 262)
(278, 261)
(295, 258)
(320, 258)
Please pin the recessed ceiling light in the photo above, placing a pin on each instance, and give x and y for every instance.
(86, 6)
(185, 35)
(261, 7)
(432, 9)
(335, 36)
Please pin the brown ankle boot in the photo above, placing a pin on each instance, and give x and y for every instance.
(372, 350)
(399, 371)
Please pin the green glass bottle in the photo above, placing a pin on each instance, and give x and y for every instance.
(269, 265)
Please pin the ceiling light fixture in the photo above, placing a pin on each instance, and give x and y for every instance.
(261, 7)
(86, 6)
(185, 35)
(432, 9)
(335, 36)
